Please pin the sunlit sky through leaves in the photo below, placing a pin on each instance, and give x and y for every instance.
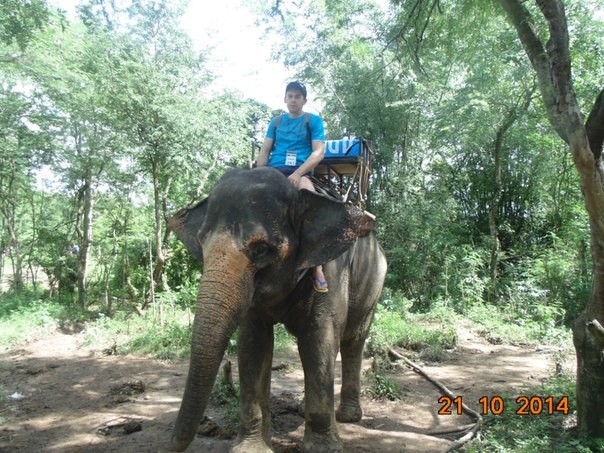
(240, 58)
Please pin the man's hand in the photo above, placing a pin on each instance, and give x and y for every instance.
(294, 179)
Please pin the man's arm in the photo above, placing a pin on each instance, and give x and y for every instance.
(318, 151)
(265, 150)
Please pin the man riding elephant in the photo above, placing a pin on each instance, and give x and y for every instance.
(295, 145)
(256, 235)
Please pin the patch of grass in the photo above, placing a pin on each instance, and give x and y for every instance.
(168, 342)
(284, 341)
(224, 393)
(500, 326)
(384, 388)
(410, 332)
(128, 333)
(381, 386)
(226, 396)
(543, 433)
(26, 315)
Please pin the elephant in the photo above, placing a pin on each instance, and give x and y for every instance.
(256, 234)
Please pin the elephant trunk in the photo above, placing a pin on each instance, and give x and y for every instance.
(224, 294)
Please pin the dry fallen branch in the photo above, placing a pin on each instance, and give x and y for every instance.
(463, 429)
(472, 429)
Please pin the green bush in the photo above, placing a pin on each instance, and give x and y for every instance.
(382, 387)
(168, 342)
(391, 329)
(499, 325)
(25, 315)
(284, 341)
(127, 332)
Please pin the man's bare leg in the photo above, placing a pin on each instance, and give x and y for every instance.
(320, 282)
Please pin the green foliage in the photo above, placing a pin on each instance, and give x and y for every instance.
(126, 333)
(284, 341)
(406, 330)
(110, 107)
(21, 19)
(431, 333)
(542, 433)
(115, 105)
(479, 207)
(169, 342)
(502, 325)
(26, 315)
(381, 386)
(21, 323)
(463, 153)
(226, 395)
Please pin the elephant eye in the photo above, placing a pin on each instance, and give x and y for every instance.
(260, 252)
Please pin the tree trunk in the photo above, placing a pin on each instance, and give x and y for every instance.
(84, 230)
(16, 257)
(8, 210)
(521, 104)
(493, 228)
(157, 276)
(552, 65)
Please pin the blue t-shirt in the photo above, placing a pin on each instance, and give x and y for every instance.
(292, 146)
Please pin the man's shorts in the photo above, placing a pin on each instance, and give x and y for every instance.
(289, 170)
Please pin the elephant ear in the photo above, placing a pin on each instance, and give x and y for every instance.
(328, 228)
(186, 223)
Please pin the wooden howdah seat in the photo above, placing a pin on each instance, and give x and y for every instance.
(344, 171)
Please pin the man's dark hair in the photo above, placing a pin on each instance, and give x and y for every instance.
(296, 86)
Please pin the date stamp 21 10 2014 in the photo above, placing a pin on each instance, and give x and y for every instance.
(495, 405)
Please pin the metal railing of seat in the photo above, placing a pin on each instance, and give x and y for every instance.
(346, 169)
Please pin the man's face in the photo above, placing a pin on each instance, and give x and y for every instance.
(295, 101)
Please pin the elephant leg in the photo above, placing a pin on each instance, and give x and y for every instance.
(255, 355)
(352, 356)
(318, 350)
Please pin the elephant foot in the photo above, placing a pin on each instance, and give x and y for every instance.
(322, 443)
(349, 413)
(250, 446)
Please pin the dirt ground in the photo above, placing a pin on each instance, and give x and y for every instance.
(63, 397)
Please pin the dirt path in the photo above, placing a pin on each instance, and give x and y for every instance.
(62, 397)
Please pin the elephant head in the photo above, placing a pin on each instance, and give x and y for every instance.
(253, 233)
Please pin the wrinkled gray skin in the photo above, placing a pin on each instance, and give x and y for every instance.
(254, 233)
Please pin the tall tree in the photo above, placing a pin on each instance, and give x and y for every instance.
(150, 82)
(551, 61)
(23, 148)
(90, 147)
(433, 122)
